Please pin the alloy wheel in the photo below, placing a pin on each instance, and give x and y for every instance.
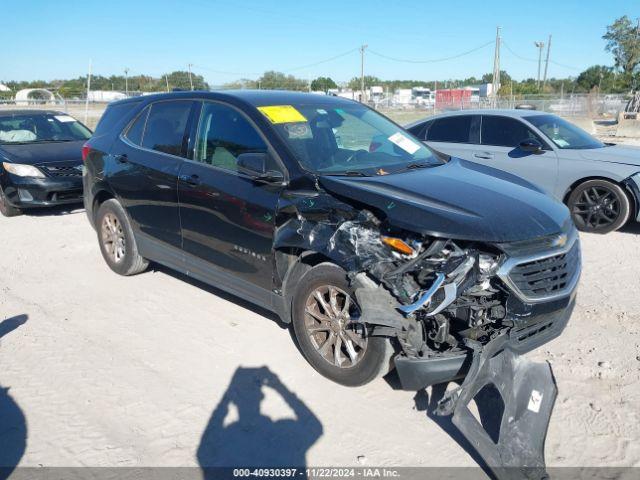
(331, 324)
(597, 207)
(113, 238)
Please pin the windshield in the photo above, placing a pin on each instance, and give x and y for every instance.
(36, 128)
(564, 134)
(347, 139)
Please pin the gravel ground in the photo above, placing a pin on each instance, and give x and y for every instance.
(103, 370)
(112, 371)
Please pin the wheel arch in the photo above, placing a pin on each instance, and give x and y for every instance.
(291, 265)
(99, 198)
(634, 202)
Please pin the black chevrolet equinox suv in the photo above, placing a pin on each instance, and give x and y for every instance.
(377, 250)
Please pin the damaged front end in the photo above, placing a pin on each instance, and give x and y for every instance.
(434, 295)
(457, 308)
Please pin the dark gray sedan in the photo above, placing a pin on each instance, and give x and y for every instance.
(40, 159)
(599, 182)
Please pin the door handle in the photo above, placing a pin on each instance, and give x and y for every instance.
(122, 158)
(484, 155)
(192, 180)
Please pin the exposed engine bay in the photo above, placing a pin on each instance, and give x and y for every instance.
(430, 294)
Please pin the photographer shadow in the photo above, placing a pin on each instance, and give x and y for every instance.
(253, 439)
(13, 425)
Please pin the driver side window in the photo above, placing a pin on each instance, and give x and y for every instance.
(223, 135)
(505, 132)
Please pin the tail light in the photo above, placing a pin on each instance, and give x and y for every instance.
(86, 148)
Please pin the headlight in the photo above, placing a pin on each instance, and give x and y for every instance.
(397, 244)
(22, 170)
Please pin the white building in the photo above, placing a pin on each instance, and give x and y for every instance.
(105, 96)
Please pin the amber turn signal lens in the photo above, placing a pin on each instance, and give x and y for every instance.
(397, 244)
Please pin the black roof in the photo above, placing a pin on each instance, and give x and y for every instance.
(252, 97)
(28, 111)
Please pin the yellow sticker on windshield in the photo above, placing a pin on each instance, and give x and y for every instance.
(282, 114)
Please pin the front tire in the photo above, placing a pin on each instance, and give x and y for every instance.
(599, 206)
(7, 210)
(117, 243)
(334, 345)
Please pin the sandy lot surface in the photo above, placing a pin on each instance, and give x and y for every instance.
(112, 371)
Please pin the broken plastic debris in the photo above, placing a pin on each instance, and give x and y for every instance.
(528, 391)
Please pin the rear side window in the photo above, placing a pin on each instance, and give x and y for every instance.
(505, 131)
(136, 130)
(166, 127)
(420, 130)
(112, 117)
(455, 129)
(223, 134)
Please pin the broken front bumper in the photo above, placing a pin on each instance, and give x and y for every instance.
(513, 394)
(26, 192)
(535, 325)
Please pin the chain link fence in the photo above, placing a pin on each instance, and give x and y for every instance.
(588, 106)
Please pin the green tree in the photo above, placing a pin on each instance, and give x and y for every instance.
(594, 76)
(369, 81)
(177, 79)
(323, 84)
(273, 80)
(623, 41)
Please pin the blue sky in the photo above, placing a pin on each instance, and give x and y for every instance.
(55, 39)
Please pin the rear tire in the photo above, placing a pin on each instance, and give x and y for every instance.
(7, 210)
(361, 358)
(599, 206)
(117, 243)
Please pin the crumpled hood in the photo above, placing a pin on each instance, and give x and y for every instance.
(614, 154)
(459, 200)
(39, 153)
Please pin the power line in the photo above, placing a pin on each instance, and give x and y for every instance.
(322, 61)
(301, 67)
(515, 54)
(443, 59)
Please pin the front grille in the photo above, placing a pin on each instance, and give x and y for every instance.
(547, 277)
(61, 171)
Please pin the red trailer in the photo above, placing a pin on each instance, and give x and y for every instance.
(453, 98)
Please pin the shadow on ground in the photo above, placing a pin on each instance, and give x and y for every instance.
(13, 427)
(250, 438)
(631, 227)
(490, 417)
(219, 293)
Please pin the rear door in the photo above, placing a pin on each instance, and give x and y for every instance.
(456, 135)
(500, 139)
(146, 161)
(228, 218)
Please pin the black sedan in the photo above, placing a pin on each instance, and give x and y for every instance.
(40, 159)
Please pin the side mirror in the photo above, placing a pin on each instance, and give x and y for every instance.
(531, 145)
(255, 166)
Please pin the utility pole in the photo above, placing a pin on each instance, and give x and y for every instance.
(190, 79)
(362, 49)
(86, 104)
(546, 64)
(496, 69)
(126, 81)
(166, 79)
(540, 47)
(633, 86)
